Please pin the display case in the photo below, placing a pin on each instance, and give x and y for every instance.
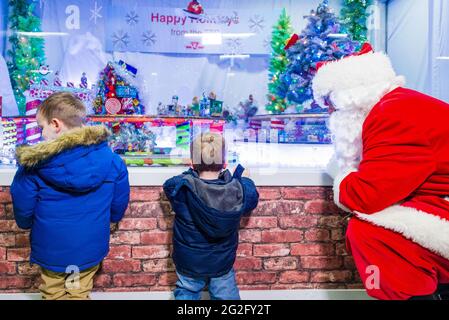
(273, 141)
(139, 140)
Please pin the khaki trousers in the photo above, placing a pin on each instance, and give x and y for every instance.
(64, 286)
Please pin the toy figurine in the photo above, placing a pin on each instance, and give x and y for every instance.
(83, 81)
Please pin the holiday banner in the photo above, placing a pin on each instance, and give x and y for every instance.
(176, 30)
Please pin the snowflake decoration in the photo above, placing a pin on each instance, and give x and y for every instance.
(148, 38)
(95, 13)
(267, 42)
(132, 18)
(234, 44)
(120, 39)
(257, 23)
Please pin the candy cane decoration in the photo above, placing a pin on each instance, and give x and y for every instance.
(32, 131)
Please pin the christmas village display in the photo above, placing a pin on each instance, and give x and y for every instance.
(291, 114)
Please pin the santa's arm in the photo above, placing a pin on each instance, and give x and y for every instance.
(397, 159)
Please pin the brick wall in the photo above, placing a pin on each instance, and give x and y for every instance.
(294, 239)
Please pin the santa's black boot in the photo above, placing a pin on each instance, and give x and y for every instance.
(443, 291)
(434, 296)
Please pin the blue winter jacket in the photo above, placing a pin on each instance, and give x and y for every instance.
(207, 220)
(67, 191)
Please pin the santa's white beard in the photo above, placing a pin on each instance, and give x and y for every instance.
(346, 129)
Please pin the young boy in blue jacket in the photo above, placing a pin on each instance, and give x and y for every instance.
(208, 203)
(68, 190)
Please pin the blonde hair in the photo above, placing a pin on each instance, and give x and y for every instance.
(63, 106)
(207, 152)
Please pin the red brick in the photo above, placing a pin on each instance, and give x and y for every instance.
(269, 193)
(102, 281)
(158, 265)
(7, 239)
(144, 209)
(331, 276)
(245, 249)
(121, 266)
(2, 253)
(331, 221)
(298, 221)
(250, 235)
(294, 277)
(302, 193)
(26, 268)
(277, 207)
(132, 280)
(21, 254)
(271, 250)
(340, 249)
(259, 222)
(283, 263)
(248, 263)
(23, 239)
(292, 207)
(324, 263)
(15, 282)
(155, 237)
(273, 236)
(5, 197)
(8, 226)
(320, 206)
(145, 194)
(168, 279)
(349, 263)
(7, 267)
(165, 222)
(337, 234)
(125, 237)
(255, 277)
(2, 211)
(150, 252)
(119, 252)
(317, 235)
(138, 224)
(129, 289)
(312, 249)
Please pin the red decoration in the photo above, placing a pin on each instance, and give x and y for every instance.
(195, 7)
(293, 39)
(113, 106)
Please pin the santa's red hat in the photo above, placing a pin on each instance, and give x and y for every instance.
(357, 81)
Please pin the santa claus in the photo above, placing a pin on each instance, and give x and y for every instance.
(391, 170)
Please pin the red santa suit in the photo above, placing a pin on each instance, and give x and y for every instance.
(392, 171)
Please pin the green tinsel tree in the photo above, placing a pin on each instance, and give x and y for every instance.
(281, 33)
(26, 53)
(353, 18)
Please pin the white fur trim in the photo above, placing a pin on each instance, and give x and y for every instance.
(356, 82)
(337, 181)
(425, 229)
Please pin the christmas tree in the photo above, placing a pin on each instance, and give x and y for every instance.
(27, 51)
(321, 40)
(281, 33)
(353, 17)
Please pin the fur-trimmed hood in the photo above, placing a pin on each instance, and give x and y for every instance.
(77, 161)
(31, 156)
(356, 82)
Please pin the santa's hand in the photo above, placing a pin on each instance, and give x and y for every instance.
(332, 168)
